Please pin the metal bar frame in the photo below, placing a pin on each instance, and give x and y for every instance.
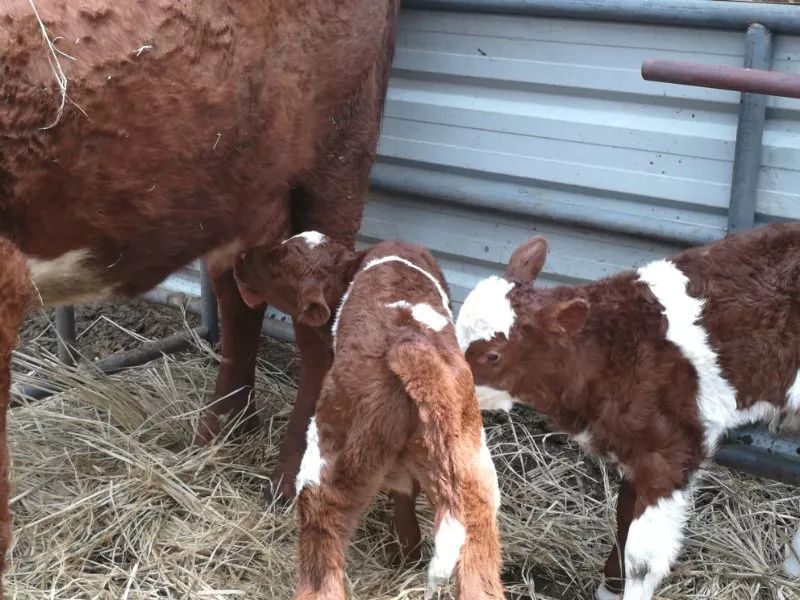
(65, 326)
(707, 14)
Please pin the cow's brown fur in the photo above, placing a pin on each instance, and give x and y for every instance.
(595, 358)
(398, 406)
(190, 129)
(15, 299)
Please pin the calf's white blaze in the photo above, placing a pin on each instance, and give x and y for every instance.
(423, 313)
(654, 541)
(447, 543)
(311, 238)
(486, 312)
(791, 566)
(490, 398)
(312, 464)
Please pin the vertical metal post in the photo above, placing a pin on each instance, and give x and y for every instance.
(749, 133)
(208, 306)
(65, 326)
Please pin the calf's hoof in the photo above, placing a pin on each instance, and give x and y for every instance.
(791, 566)
(604, 592)
(211, 425)
(400, 556)
(282, 489)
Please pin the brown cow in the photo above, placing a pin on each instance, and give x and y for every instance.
(398, 407)
(647, 369)
(138, 135)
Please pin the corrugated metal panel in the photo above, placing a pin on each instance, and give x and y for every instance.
(498, 126)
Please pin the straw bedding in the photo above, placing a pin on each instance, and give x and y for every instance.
(109, 501)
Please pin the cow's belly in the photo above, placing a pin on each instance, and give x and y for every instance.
(68, 279)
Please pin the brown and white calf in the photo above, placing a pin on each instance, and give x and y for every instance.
(397, 410)
(647, 369)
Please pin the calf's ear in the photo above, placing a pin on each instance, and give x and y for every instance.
(313, 310)
(527, 260)
(567, 317)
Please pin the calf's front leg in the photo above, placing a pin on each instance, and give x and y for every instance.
(612, 585)
(316, 357)
(654, 538)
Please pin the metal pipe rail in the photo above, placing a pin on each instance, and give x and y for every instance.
(720, 77)
(709, 14)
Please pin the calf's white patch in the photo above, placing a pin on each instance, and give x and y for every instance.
(486, 312)
(312, 464)
(716, 397)
(490, 398)
(311, 238)
(423, 313)
(383, 260)
(449, 539)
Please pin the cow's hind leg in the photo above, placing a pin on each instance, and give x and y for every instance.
(15, 294)
(241, 330)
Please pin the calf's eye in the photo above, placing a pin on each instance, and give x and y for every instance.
(492, 358)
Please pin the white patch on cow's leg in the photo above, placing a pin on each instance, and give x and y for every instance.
(423, 313)
(654, 541)
(486, 312)
(487, 468)
(312, 238)
(490, 398)
(312, 464)
(791, 566)
(449, 539)
(68, 279)
(603, 593)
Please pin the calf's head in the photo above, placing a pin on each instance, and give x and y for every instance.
(519, 341)
(304, 277)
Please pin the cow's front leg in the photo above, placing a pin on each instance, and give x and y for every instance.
(241, 329)
(316, 357)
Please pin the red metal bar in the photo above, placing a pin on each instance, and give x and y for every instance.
(723, 78)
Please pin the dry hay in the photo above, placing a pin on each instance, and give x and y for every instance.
(110, 503)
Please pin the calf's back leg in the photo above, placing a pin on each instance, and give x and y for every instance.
(466, 538)
(333, 495)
